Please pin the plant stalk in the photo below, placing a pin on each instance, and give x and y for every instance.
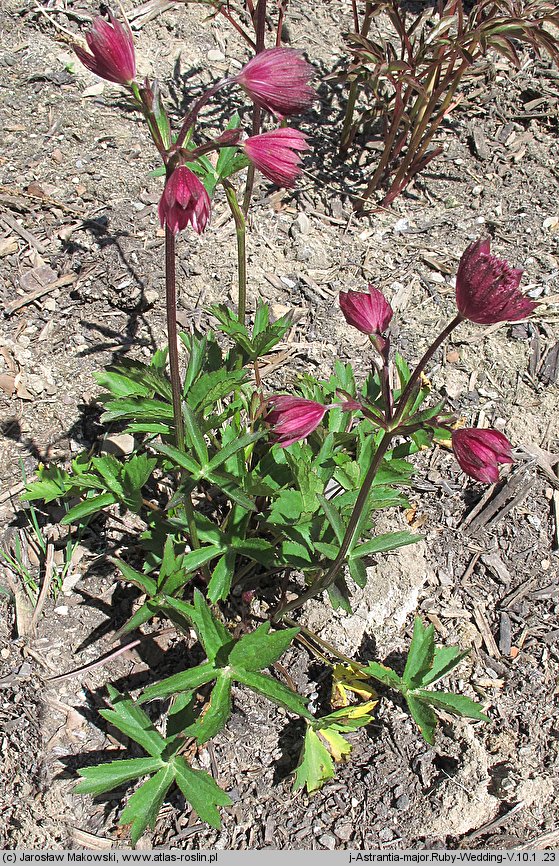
(176, 386)
(240, 231)
(414, 378)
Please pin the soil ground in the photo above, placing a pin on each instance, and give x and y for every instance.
(78, 215)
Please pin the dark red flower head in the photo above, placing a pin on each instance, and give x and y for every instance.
(112, 51)
(368, 311)
(479, 452)
(277, 154)
(487, 288)
(277, 80)
(293, 418)
(184, 202)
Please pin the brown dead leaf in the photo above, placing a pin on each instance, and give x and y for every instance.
(37, 278)
(8, 246)
(7, 384)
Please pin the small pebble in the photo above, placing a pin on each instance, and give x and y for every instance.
(403, 802)
(214, 55)
(328, 841)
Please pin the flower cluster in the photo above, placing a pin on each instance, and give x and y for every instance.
(276, 79)
(487, 291)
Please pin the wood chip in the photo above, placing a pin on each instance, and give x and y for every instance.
(515, 490)
(549, 372)
(65, 280)
(505, 641)
(13, 224)
(485, 631)
(496, 565)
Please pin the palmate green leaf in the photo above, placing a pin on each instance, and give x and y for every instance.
(460, 705)
(201, 791)
(136, 472)
(184, 681)
(129, 718)
(211, 632)
(53, 483)
(105, 777)
(316, 765)
(260, 649)
(423, 716)
(218, 711)
(338, 594)
(136, 409)
(189, 563)
(194, 435)
(258, 549)
(229, 485)
(120, 385)
(142, 615)
(222, 576)
(138, 578)
(384, 542)
(143, 806)
(227, 154)
(333, 517)
(384, 675)
(358, 572)
(211, 387)
(110, 470)
(274, 691)
(238, 444)
(445, 659)
(181, 459)
(421, 654)
(87, 507)
(143, 376)
(196, 346)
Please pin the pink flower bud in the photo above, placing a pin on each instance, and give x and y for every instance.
(276, 154)
(184, 202)
(479, 453)
(487, 287)
(293, 418)
(112, 51)
(369, 311)
(277, 80)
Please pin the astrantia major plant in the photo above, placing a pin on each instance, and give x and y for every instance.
(245, 493)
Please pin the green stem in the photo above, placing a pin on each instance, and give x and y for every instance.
(176, 386)
(414, 378)
(347, 126)
(240, 231)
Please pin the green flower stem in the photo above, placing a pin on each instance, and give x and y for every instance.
(240, 230)
(176, 386)
(414, 378)
(329, 576)
(151, 121)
